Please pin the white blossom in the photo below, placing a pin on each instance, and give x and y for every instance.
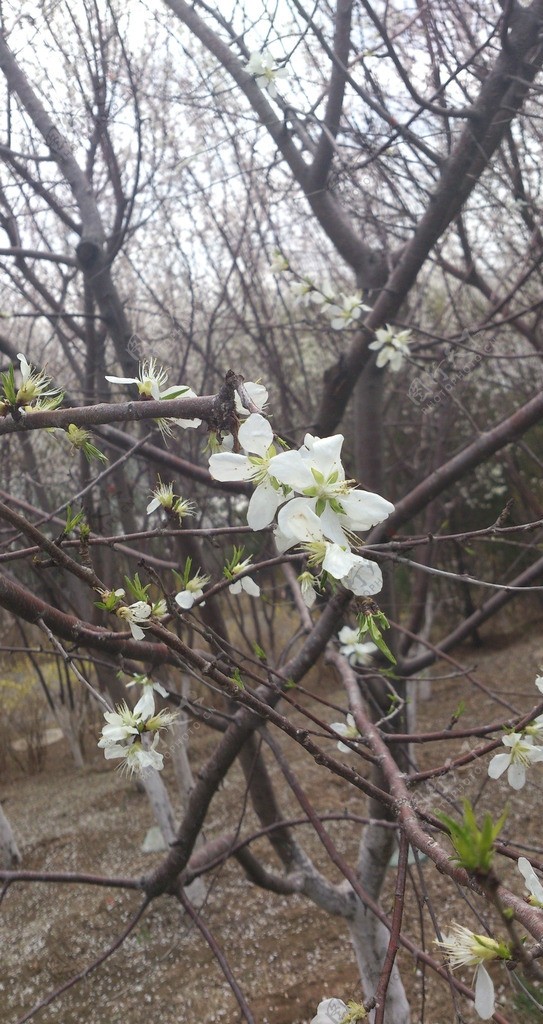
(34, 383)
(266, 71)
(351, 648)
(127, 734)
(348, 730)
(392, 346)
(193, 591)
(301, 293)
(299, 524)
(245, 584)
(256, 436)
(135, 614)
(151, 383)
(308, 588)
(137, 757)
(279, 263)
(522, 753)
(147, 684)
(464, 948)
(533, 884)
(163, 497)
(316, 471)
(347, 312)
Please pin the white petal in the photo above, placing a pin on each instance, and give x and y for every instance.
(332, 528)
(365, 509)
(186, 424)
(229, 466)
(330, 1010)
(151, 759)
(348, 635)
(177, 391)
(185, 599)
(263, 505)
(516, 776)
(235, 588)
(145, 707)
(532, 881)
(159, 688)
(291, 469)
(250, 587)
(256, 434)
(122, 380)
(337, 561)
(484, 993)
(364, 579)
(498, 765)
(153, 504)
(257, 393)
(116, 751)
(297, 518)
(137, 633)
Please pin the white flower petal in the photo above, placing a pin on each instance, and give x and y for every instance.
(516, 775)
(533, 884)
(297, 519)
(498, 765)
(484, 993)
(230, 466)
(364, 579)
(330, 1011)
(250, 587)
(263, 505)
(338, 561)
(364, 509)
(291, 469)
(145, 707)
(255, 434)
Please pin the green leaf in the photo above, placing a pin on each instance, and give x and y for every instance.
(236, 678)
(137, 588)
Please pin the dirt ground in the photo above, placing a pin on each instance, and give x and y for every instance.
(286, 954)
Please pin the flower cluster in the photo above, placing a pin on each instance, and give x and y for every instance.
(464, 948)
(343, 311)
(134, 735)
(317, 507)
(266, 71)
(392, 347)
(522, 751)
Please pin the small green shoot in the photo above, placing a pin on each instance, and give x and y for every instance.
(474, 846)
